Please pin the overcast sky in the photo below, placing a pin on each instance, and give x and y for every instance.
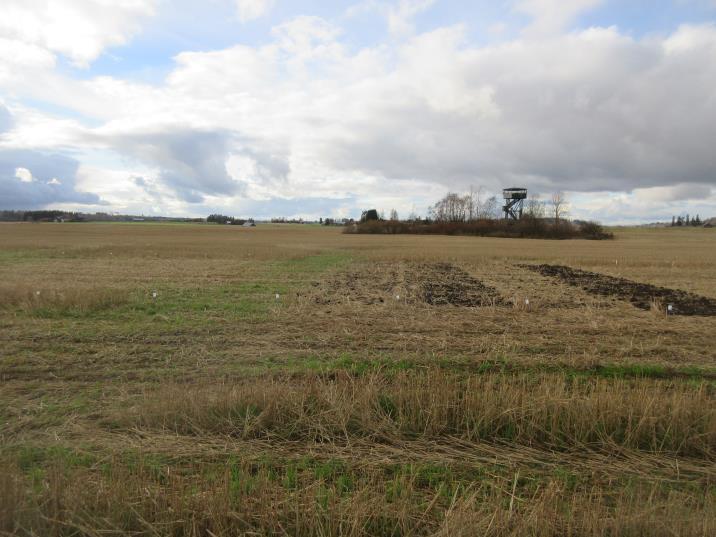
(326, 107)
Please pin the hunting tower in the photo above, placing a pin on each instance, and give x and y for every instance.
(514, 202)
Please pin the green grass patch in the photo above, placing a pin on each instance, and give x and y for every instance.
(636, 371)
(11, 257)
(312, 264)
(246, 300)
(387, 365)
(31, 459)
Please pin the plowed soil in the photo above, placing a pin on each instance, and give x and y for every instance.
(444, 284)
(434, 284)
(641, 295)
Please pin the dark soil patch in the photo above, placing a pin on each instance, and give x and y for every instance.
(446, 284)
(372, 285)
(436, 284)
(641, 295)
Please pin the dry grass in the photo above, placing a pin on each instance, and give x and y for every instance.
(337, 409)
(243, 501)
(552, 411)
(67, 301)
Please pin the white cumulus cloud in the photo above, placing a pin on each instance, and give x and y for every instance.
(307, 114)
(253, 9)
(78, 29)
(24, 175)
(552, 16)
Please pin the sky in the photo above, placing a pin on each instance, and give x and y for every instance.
(318, 108)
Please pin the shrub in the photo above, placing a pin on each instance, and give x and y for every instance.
(530, 228)
(594, 231)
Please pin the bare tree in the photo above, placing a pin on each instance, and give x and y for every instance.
(394, 215)
(413, 216)
(559, 206)
(535, 207)
(474, 204)
(490, 208)
(465, 208)
(452, 208)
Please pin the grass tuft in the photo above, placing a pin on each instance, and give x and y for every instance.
(555, 411)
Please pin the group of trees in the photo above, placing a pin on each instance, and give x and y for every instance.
(336, 221)
(475, 205)
(223, 219)
(474, 213)
(686, 221)
(284, 220)
(467, 207)
(46, 215)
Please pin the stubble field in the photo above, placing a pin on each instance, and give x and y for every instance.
(292, 380)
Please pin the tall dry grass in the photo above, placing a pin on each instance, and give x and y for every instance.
(547, 410)
(155, 502)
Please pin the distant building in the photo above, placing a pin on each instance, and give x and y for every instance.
(371, 214)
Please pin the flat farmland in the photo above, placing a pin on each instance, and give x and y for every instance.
(181, 379)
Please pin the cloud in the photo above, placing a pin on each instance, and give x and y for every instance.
(305, 115)
(253, 9)
(291, 208)
(6, 121)
(307, 37)
(401, 14)
(23, 65)
(644, 205)
(589, 111)
(32, 180)
(682, 192)
(549, 17)
(24, 175)
(192, 163)
(78, 29)
(398, 14)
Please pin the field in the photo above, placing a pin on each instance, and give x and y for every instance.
(160, 379)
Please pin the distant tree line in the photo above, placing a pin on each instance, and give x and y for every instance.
(223, 219)
(41, 216)
(284, 220)
(677, 221)
(336, 221)
(48, 215)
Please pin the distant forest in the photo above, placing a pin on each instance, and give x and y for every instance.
(70, 216)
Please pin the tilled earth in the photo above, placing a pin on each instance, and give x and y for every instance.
(641, 295)
(435, 284)
(443, 284)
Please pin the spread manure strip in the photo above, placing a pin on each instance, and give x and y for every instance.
(205, 380)
(434, 284)
(641, 295)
